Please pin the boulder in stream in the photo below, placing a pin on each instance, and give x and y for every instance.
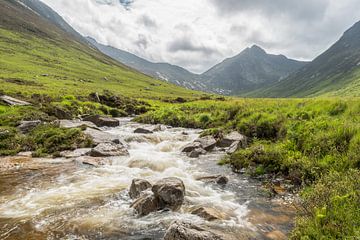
(219, 179)
(138, 186)
(209, 214)
(146, 204)
(93, 161)
(142, 131)
(190, 147)
(187, 231)
(109, 150)
(102, 121)
(196, 153)
(76, 153)
(230, 138)
(170, 192)
(208, 143)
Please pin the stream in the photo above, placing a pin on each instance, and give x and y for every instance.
(63, 199)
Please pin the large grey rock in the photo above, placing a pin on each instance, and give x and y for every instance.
(186, 231)
(142, 131)
(190, 147)
(100, 136)
(146, 204)
(170, 192)
(102, 121)
(27, 126)
(76, 124)
(13, 101)
(232, 137)
(109, 150)
(208, 143)
(138, 186)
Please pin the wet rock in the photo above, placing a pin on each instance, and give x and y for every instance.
(219, 179)
(93, 161)
(230, 138)
(13, 101)
(159, 128)
(146, 204)
(142, 131)
(234, 147)
(108, 150)
(102, 121)
(137, 187)
(186, 231)
(208, 143)
(170, 192)
(27, 126)
(209, 214)
(76, 124)
(76, 153)
(190, 147)
(100, 136)
(196, 153)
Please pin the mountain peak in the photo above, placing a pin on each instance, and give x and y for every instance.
(256, 49)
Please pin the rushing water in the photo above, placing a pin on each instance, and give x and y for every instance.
(65, 200)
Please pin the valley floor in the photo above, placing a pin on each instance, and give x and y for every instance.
(312, 145)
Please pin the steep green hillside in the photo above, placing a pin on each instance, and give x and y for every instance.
(39, 57)
(336, 72)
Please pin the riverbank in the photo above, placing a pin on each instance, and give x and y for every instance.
(70, 197)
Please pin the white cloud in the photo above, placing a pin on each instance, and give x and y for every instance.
(198, 34)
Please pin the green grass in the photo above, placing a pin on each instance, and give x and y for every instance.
(312, 142)
(59, 68)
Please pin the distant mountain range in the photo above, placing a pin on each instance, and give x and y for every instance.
(253, 72)
(252, 68)
(336, 72)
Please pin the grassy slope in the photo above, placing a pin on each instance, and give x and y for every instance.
(31, 47)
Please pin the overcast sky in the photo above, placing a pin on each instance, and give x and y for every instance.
(196, 34)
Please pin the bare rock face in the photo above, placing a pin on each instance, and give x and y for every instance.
(208, 143)
(190, 147)
(101, 121)
(137, 187)
(186, 231)
(27, 126)
(230, 138)
(209, 214)
(109, 150)
(234, 147)
(146, 204)
(170, 192)
(142, 131)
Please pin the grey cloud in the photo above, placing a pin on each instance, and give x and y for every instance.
(147, 21)
(186, 45)
(305, 9)
(142, 41)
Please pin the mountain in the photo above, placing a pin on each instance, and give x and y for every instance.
(249, 70)
(41, 54)
(336, 72)
(162, 71)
